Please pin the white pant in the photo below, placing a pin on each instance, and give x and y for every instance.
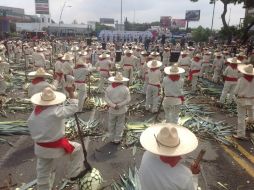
(205, 69)
(82, 94)
(171, 112)
(216, 76)
(116, 124)
(194, 82)
(152, 97)
(128, 73)
(103, 81)
(241, 113)
(227, 89)
(46, 168)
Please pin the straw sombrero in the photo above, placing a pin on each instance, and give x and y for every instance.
(241, 54)
(173, 70)
(167, 48)
(59, 56)
(118, 78)
(128, 51)
(184, 52)
(233, 60)
(75, 48)
(168, 140)
(144, 53)
(48, 97)
(154, 64)
(83, 53)
(39, 73)
(246, 69)
(218, 54)
(39, 49)
(197, 55)
(67, 57)
(154, 53)
(104, 56)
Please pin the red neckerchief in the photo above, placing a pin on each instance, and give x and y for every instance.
(172, 161)
(183, 56)
(37, 80)
(249, 78)
(233, 66)
(116, 84)
(153, 69)
(240, 58)
(196, 59)
(39, 109)
(79, 66)
(174, 77)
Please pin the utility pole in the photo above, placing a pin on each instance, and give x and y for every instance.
(213, 14)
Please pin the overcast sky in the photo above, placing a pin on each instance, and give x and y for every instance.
(144, 10)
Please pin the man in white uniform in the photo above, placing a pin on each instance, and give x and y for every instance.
(173, 89)
(117, 97)
(47, 129)
(160, 167)
(230, 76)
(244, 92)
(153, 87)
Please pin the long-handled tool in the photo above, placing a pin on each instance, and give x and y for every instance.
(90, 178)
(81, 138)
(199, 157)
(159, 109)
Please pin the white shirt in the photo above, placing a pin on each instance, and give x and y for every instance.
(120, 96)
(184, 61)
(49, 126)
(232, 73)
(154, 77)
(173, 88)
(36, 88)
(245, 89)
(157, 175)
(125, 61)
(39, 59)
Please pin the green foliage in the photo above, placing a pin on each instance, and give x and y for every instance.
(201, 34)
(99, 27)
(136, 26)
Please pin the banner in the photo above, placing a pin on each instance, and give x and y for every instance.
(165, 21)
(178, 23)
(192, 15)
(107, 21)
(42, 7)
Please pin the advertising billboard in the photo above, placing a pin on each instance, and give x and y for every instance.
(42, 7)
(192, 15)
(165, 21)
(107, 21)
(178, 23)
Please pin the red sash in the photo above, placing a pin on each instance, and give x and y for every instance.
(79, 66)
(191, 74)
(80, 81)
(156, 85)
(230, 79)
(39, 109)
(60, 75)
(61, 143)
(128, 65)
(105, 70)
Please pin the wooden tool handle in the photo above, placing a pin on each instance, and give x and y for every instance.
(199, 157)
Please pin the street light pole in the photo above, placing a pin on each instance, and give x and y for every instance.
(213, 14)
(61, 17)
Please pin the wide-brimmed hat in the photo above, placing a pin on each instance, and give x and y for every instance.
(59, 56)
(48, 97)
(246, 69)
(197, 55)
(83, 53)
(207, 52)
(74, 48)
(144, 53)
(167, 48)
(39, 49)
(219, 54)
(173, 70)
(2, 46)
(104, 56)
(233, 60)
(168, 140)
(39, 73)
(154, 53)
(184, 52)
(190, 48)
(67, 57)
(154, 64)
(241, 54)
(128, 51)
(118, 78)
